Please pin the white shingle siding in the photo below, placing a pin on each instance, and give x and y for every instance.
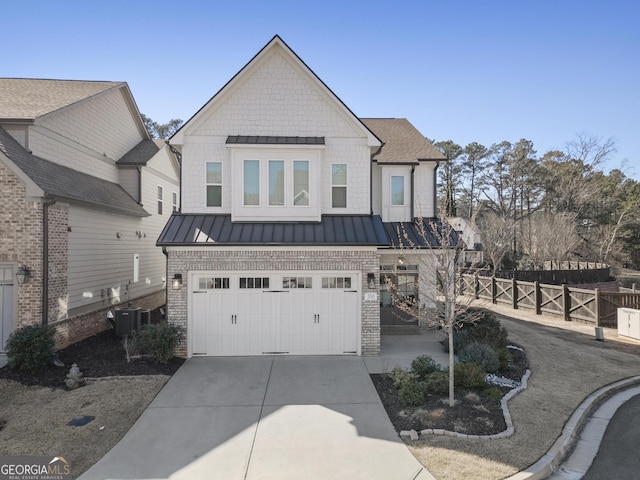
(88, 137)
(277, 98)
(424, 191)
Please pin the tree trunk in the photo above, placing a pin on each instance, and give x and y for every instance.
(452, 399)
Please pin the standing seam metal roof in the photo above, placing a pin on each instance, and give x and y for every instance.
(199, 230)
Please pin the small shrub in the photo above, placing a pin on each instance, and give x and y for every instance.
(487, 329)
(31, 348)
(423, 366)
(411, 393)
(469, 375)
(505, 358)
(159, 341)
(494, 393)
(482, 355)
(437, 382)
(400, 376)
(460, 339)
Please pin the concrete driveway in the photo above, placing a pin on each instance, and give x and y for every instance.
(263, 418)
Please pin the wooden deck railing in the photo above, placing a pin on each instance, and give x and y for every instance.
(569, 303)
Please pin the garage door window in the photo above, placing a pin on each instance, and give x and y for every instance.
(336, 282)
(297, 282)
(254, 282)
(215, 283)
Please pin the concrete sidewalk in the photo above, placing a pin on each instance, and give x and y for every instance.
(263, 418)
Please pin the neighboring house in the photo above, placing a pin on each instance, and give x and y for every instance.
(85, 193)
(289, 206)
(471, 237)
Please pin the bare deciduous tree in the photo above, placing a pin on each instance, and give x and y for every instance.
(435, 246)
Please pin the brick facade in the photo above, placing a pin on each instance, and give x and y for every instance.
(21, 244)
(364, 261)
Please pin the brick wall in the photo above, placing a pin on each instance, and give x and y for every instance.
(365, 261)
(21, 243)
(58, 261)
(75, 329)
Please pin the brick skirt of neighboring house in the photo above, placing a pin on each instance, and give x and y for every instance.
(77, 328)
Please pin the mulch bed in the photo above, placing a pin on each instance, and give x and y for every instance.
(102, 355)
(474, 413)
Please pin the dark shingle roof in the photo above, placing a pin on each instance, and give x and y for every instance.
(30, 98)
(142, 152)
(268, 140)
(429, 234)
(201, 230)
(66, 183)
(403, 143)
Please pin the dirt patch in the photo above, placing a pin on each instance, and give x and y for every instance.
(36, 408)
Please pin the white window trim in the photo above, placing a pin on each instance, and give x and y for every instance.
(174, 201)
(404, 190)
(345, 185)
(207, 184)
(160, 200)
(264, 211)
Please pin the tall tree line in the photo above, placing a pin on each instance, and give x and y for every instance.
(531, 209)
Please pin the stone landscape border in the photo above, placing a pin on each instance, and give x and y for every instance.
(413, 434)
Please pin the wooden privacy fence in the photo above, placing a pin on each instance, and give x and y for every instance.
(569, 303)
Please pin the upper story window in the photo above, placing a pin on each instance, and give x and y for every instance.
(214, 184)
(301, 183)
(273, 183)
(160, 200)
(339, 185)
(251, 182)
(174, 201)
(397, 190)
(276, 182)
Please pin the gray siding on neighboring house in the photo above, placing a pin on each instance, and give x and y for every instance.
(130, 181)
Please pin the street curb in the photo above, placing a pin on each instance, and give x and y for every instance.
(558, 452)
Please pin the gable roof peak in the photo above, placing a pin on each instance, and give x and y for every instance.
(276, 41)
(26, 99)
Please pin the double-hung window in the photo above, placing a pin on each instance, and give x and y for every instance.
(339, 185)
(160, 200)
(214, 184)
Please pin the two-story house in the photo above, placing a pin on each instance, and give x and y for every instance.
(85, 193)
(289, 201)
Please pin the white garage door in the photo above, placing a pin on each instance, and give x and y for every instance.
(265, 313)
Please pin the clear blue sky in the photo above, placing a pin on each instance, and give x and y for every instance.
(482, 71)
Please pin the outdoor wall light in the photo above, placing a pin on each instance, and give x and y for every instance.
(23, 275)
(176, 284)
(371, 280)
